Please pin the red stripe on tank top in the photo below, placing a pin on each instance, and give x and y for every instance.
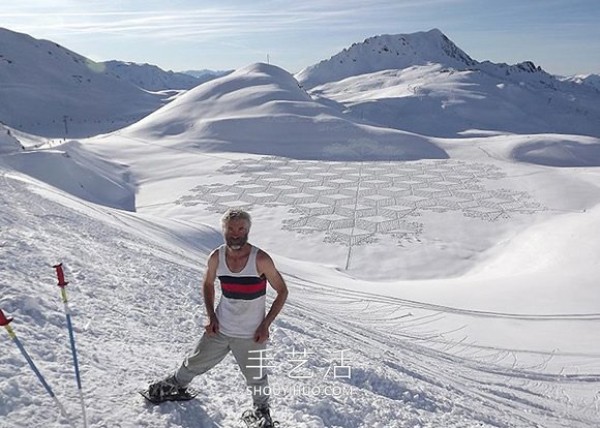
(244, 288)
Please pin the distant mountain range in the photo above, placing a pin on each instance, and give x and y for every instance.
(153, 78)
(207, 75)
(150, 77)
(419, 82)
(592, 80)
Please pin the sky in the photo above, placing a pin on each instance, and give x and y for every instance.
(561, 36)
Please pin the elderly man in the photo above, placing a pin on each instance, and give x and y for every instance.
(239, 323)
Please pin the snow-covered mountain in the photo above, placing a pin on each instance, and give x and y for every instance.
(150, 77)
(49, 90)
(424, 83)
(386, 52)
(261, 109)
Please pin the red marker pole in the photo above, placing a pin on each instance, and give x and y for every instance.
(63, 292)
(5, 322)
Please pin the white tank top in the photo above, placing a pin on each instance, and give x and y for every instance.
(242, 306)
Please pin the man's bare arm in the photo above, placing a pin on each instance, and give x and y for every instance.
(266, 266)
(208, 291)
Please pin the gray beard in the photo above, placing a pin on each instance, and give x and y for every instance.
(236, 244)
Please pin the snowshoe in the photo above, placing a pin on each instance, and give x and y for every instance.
(167, 390)
(259, 417)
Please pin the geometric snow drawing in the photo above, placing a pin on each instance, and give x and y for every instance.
(355, 203)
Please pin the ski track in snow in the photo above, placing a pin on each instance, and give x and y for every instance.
(137, 310)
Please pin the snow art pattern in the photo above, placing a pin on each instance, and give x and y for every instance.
(355, 202)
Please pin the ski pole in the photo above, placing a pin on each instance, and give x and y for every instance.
(62, 284)
(5, 322)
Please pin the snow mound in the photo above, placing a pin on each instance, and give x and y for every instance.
(76, 171)
(560, 241)
(561, 153)
(261, 109)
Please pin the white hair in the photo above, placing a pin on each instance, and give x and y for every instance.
(235, 214)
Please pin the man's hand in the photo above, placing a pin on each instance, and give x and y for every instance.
(262, 333)
(213, 326)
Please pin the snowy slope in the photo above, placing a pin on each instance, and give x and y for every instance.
(512, 344)
(75, 171)
(423, 83)
(8, 142)
(51, 91)
(150, 77)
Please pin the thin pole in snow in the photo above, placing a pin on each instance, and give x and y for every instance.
(5, 322)
(62, 284)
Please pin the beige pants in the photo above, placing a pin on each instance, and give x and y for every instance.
(249, 355)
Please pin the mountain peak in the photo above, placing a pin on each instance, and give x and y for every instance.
(387, 52)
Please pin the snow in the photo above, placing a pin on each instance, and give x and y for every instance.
(442, 279)
(51, 91)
